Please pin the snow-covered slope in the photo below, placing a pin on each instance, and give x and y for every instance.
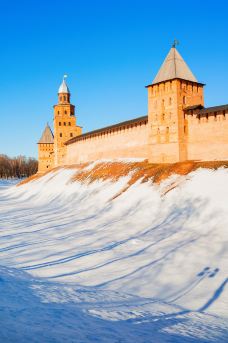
(150, 262)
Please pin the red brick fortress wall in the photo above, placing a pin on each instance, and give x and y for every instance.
(207, 135)
(126, 141)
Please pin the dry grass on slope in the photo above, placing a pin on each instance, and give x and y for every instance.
(139, 170)
(39, 175)
(142, 170)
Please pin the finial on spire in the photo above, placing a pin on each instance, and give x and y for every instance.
(65, 76)
(175, 43)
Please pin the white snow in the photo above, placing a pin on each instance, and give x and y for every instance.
(150, 265)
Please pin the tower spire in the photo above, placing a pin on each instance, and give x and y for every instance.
(63, 87)
(64, 92)
(174, 67)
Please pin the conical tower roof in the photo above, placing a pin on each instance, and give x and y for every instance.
(174, 67)
(47, 136)
(63, 87)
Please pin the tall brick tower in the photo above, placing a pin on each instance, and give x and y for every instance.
(64, 123)
(173, 89)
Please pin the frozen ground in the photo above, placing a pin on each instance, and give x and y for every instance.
(148, 266)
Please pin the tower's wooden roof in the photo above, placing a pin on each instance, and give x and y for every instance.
(47, 136)
(174, 67)
(203, 110)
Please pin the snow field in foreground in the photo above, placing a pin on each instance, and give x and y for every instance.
(156, 251)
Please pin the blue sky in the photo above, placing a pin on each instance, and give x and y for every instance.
(110, 51)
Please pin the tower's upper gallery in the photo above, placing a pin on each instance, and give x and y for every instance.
(63, 87)
(174, 67)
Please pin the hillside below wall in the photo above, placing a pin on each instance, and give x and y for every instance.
(208, 140)
(125, 143)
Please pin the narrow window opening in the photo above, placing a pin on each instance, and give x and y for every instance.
(158, 135)
(167, 135)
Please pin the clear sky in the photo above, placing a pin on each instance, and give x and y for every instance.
(110, 51)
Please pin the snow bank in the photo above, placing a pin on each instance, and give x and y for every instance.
(156, 244)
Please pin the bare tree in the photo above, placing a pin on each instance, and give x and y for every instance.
(19, 166)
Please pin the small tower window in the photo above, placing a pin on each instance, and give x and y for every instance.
(184, 100)
(60, 98)
(170, 101)
(60, 123)
(64, 98)
(69, 123)
(58, 112)
(71, 134)
(60, 135)
(65, 112)
(64, 123)
(167, 134)
(158, 136)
